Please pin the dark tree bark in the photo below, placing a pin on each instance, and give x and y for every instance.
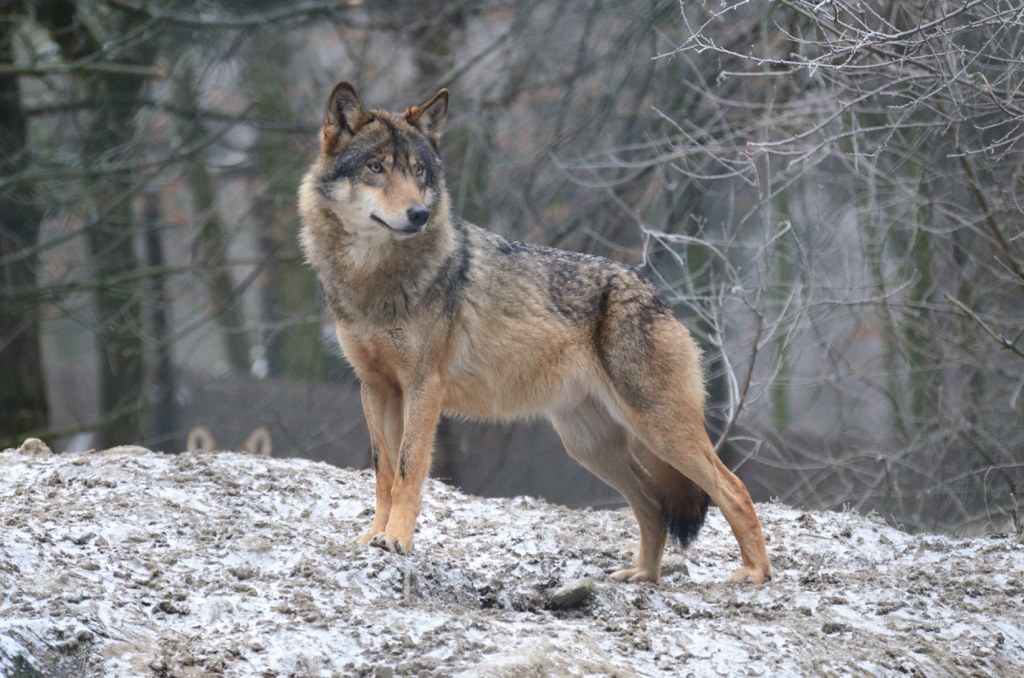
(23, 405)
(110, 228)
(165, 406)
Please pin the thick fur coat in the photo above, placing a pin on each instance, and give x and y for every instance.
(439, 316)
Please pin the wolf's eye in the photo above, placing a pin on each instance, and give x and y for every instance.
(420, 170)
(376, 167)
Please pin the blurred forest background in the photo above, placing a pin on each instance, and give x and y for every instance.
(829, 193)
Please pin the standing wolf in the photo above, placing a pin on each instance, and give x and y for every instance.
(437, 315)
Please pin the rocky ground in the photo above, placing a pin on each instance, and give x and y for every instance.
(132, 563)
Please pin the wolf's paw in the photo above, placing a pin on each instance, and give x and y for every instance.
(366, 538)
(383, 541)
(634, 575)
(751, 575)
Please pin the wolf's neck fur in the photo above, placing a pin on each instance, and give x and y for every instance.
(384, 280)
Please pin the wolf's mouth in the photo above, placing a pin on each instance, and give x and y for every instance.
(401, 232)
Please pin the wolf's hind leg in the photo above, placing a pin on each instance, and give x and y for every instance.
(679, 438)
(603, 447)
(655, 373)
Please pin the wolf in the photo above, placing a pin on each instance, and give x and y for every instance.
(438, 316)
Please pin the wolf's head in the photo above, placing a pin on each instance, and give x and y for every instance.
(380, 173)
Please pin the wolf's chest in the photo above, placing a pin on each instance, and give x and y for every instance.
(389, 353)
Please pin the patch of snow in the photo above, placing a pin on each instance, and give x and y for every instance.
(133, 563)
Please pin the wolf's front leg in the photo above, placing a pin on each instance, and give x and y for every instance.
(421, 412)
(382, 407)
(385, 477)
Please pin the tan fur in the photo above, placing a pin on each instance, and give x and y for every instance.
(455, 319)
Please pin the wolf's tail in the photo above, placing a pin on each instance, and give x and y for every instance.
(684, 505)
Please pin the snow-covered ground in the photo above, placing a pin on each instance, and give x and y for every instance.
(133, 563)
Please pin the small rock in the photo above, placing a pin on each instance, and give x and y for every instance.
(170, 607)
(35, 446)
(134, 450)
(82, 539)
(835, 627)
(242, 572)
(573, 594)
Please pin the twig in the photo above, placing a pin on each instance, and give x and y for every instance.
(1000, 339)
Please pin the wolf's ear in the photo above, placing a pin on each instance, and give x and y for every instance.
(429, 116)
(343, 116)
(257, 443)
(200, 438)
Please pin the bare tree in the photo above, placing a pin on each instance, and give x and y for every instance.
(828, 192)
(872, 153)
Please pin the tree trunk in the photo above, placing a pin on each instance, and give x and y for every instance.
(162, 382)
(210, 247)
(290, 292)
(22, 387)
(110, 231)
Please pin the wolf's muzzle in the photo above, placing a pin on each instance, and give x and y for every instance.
(417, 215)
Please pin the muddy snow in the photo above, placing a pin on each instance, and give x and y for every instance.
(134, 563)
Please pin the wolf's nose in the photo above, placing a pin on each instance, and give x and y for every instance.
(418, 215)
